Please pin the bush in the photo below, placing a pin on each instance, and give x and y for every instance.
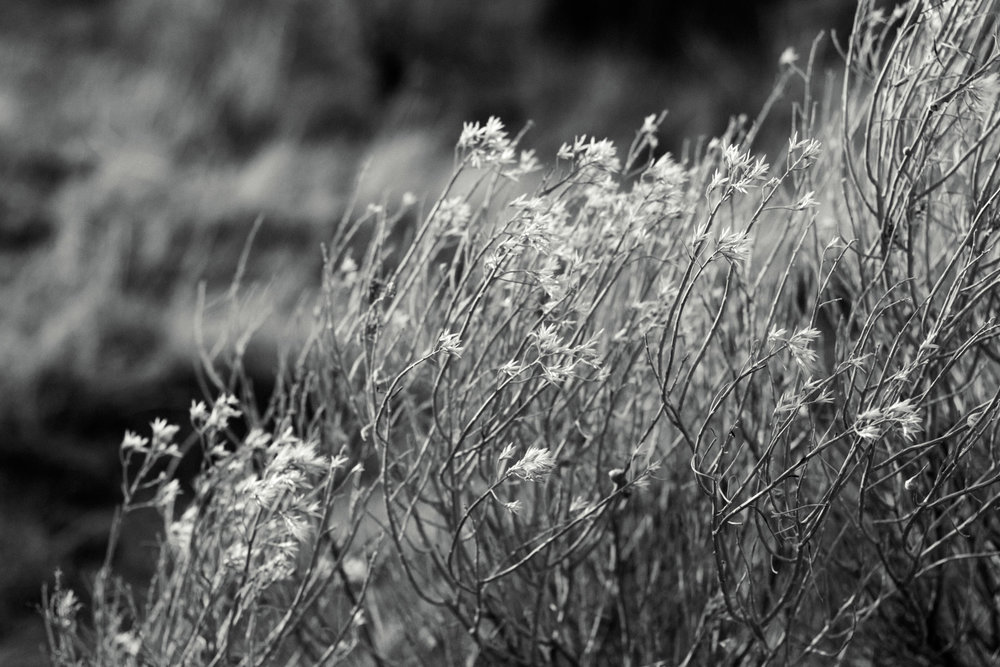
(695, 410)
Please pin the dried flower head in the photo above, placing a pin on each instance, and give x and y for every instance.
(808, 201)
(450, 344)
(65, 604)
(735, 246)
(536, 464)
(901, 415)
(788, 57)
(226, 407)
(514, 506)
(800, 346)
(134, 442)
(486, 145)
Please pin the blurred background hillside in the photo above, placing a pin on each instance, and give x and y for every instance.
(141, 139)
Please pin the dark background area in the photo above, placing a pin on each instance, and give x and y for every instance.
(140, 139)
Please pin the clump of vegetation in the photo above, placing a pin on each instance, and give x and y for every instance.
(694, 409)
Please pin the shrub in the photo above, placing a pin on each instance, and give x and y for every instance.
(693, 410)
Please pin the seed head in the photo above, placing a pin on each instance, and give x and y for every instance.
(536, 464)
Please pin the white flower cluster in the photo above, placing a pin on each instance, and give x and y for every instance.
(536, 464)
(901, 416)
(740, 171)
(488, 145)
(799, 345)
(555, 359)
(161, 445)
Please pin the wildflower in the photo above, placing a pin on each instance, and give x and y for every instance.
(162, 431)
(512, 368)
(65, 604)
(816, 393)
(450, 344)
(733, 159)
(536, 464)
(565, 152)
(807, 201)
(591, 152)
(514, 507)
(135, 442)
(544, 214)
(296, 526)
(470, 135)
(788, 57)
(788, 402)
(717, 181)
(903, 414)
(857, 363)
(743, 170)
(799, 345)
(810, 148)
(506, 453)
(486, 144)
(546, 338)
(163, 438)
(292, 453)
(776, 335)
(734, 246)
(556, 360)
(198, 412)
(868, 432)
(493, 131)
(224, 409)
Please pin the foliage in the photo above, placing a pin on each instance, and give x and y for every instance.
(695, 409)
